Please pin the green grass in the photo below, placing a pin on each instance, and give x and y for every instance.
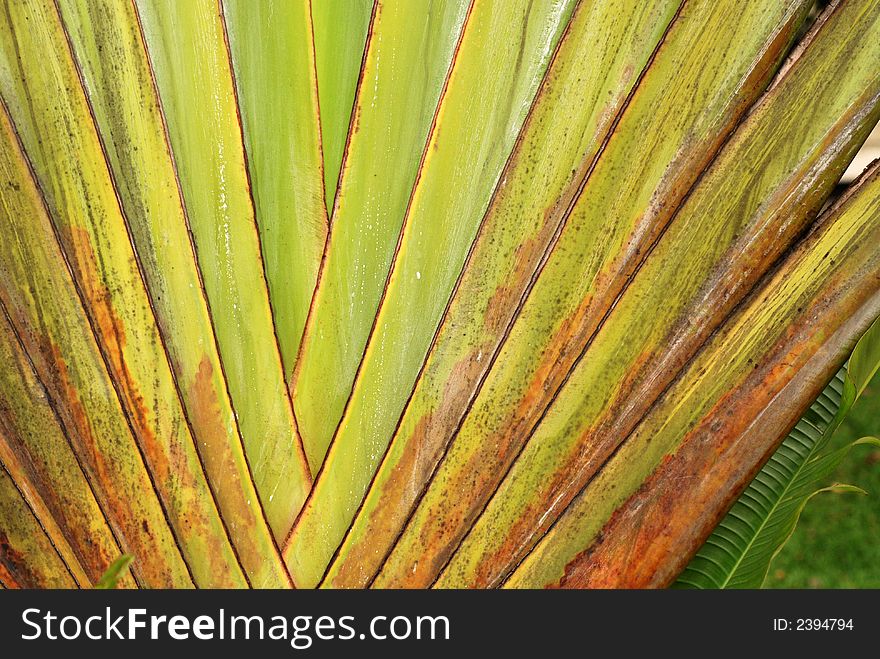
(837, 542)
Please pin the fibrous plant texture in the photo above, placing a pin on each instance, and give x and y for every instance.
(461, 293)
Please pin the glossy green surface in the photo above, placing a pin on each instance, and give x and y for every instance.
(271, 46)
(403, 293)
(187, 48)
(111, 55)
(572, 114)
(340, 34)
(456, 180)
(406, 66)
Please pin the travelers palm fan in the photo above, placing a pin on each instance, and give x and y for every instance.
(461, 293)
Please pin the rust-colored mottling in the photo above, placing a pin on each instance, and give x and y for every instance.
(432, 433)
(135, 535)
(646, 378)
(425, 445)
(224, 472)
(463, 506)
(593, 447)
(13, 564)
(434, 430)
(422, 452)
(169, 467)
(397, 495)
(526, 257)
(111, 334)
(472, 485)
(736, 273)
(666, 521)
(78, 419)
(475, 483)
(34, 481)
(217, 459)
(206, 416)
(29, 457)
(7, 579)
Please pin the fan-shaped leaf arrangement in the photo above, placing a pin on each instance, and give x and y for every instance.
(464, 293)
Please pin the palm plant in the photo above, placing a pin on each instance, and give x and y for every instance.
(462, 293)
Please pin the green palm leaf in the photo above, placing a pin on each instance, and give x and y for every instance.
(702, 441)
(457, 177)
(739, 552)
(277, 95)
(187, 48)
(452, 293)
(340, 33)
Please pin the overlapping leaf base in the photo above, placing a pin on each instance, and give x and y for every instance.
(468, 293)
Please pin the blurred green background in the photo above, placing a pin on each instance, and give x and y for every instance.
(837, 542)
